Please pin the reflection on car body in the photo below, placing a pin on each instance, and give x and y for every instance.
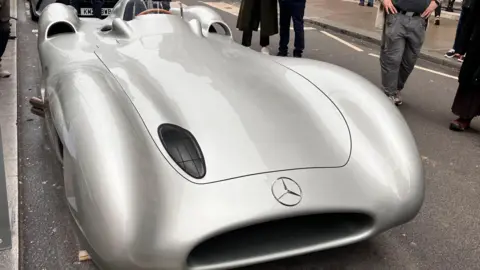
(182, 149)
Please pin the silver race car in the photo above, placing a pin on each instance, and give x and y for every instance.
(181, 149)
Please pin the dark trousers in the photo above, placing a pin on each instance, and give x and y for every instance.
(161, 4)
(370, 2)
(96, 6)
(438, 10)
(292, 10)
(458, 45)
(4, 35)
(247, 39)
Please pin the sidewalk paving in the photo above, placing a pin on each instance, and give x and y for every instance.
(9, 255)
(347, 17)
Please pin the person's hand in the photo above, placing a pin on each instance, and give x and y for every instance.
(431, 8)
(389, 7)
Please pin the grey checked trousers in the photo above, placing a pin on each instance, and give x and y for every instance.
(402, 39)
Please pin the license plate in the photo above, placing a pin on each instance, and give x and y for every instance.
(89, 11)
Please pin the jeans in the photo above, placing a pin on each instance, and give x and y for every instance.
(458, 46)
(162, 4)
(96, 6)
(292, 10)
(370, 2)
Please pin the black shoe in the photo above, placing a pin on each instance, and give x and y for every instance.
(283, 54)
(370, 5)
(297, 54)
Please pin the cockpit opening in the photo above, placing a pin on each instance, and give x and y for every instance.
(219, 28)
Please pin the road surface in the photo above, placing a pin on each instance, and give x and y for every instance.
(445, 235)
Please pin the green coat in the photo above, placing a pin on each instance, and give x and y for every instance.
(258, 12)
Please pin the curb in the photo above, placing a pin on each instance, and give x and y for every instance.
(366, 36)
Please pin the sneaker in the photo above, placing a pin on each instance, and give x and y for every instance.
(297, 54)
(450, 53)
(283, 54)
(398, 99)
(460, 58)
(265, 50)
(437, 20)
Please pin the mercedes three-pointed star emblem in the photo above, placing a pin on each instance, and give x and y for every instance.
(286, 191)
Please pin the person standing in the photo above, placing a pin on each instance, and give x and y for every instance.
(292, 10)
(362, 3)
(4, 33)
(459, 48)
(466, 104)
(404, 28)
(255, 13)
(438, 12)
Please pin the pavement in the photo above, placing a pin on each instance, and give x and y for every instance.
(445, 234)
(346, 16)
(9, 255)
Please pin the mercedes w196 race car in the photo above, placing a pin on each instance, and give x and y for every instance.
(182, 149)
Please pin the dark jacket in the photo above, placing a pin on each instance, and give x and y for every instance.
(467, 3)
(4, 11)
(258, 12)
(470, 71)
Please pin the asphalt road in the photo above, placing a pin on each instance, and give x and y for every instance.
(445, 235)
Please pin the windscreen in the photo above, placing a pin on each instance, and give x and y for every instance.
(143, 7)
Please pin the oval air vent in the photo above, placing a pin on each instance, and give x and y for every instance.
(183, 149)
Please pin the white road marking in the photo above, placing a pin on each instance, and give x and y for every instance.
(233, 10)
(424, 69)
(342, 41)
(34, 30)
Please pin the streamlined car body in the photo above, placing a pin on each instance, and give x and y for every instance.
(182, 149)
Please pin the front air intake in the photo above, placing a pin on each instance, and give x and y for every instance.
(183, 149)
(268, 239)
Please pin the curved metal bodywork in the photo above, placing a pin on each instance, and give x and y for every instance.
(329, 135)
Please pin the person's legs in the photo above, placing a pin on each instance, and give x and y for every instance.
(391, 53)
(459, 46)
(97, 8)
(166, 5)
(298, 11)
(415, 36)
(450, 5)
(285, 16)
(264, 39)
(247, 38)
(4, 34)
(456, 42)
(438, 12)
(370, 3)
